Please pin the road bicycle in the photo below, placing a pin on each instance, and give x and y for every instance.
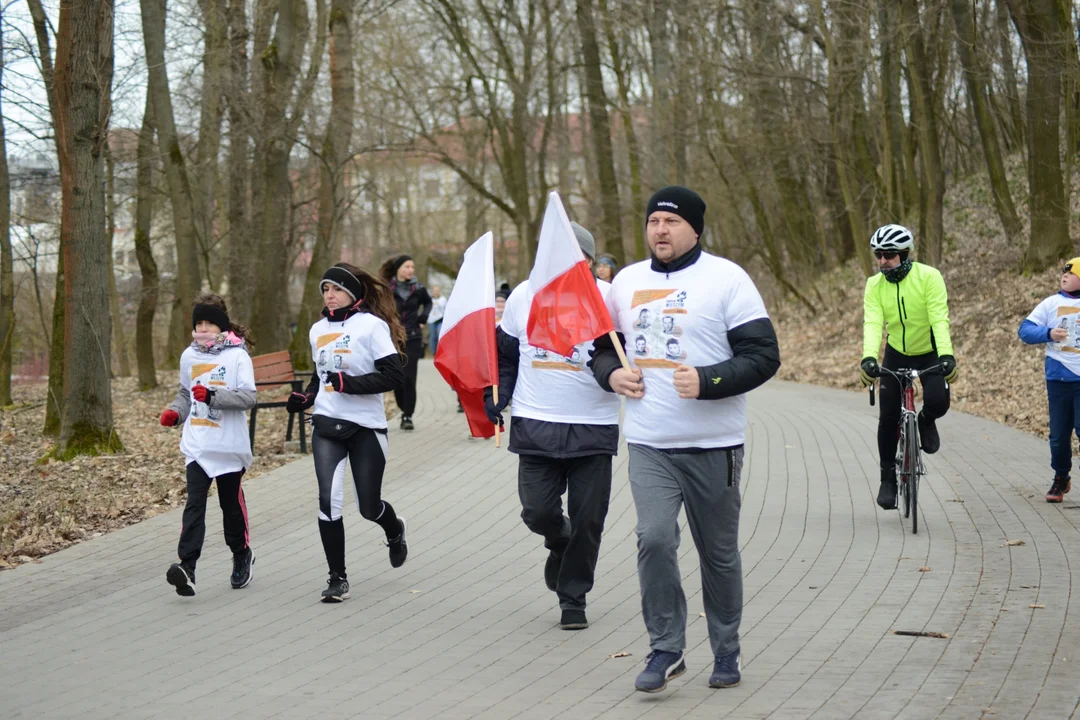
(909, 460)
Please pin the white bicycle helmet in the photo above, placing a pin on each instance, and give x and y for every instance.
(892, 237)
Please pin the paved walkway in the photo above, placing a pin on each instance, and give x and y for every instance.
(466, 629)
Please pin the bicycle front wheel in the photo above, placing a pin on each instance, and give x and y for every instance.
(912, 462)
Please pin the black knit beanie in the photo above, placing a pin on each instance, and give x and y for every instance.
(684, 202)
(398, 262)
(210, 313)
(345, 280)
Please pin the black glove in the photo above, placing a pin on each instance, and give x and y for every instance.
(869, 371)
(948, 367)
(494, 409)
(299, 402)
(336, 380)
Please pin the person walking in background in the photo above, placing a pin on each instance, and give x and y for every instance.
(565, 431)
(606, 267)
(217, 384)
(501, 296)
(361, 327)
(434, 321)
(1053, 323)
(413, 306)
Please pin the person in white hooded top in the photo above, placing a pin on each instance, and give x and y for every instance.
(217, 384)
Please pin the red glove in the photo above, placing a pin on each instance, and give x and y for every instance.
(201, 393)
(169, 418)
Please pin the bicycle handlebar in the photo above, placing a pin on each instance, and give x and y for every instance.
(904, 374)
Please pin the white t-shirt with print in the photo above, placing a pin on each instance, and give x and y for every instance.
(216, 439)
(350, 347)
(682, 318)
(1058, 311)
(550, 387)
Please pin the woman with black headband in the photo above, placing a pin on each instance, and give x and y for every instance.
(357, 351)
(413, 305)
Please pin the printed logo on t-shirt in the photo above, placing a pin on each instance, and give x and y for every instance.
(1069, 320)
(324, 340)
(217, 376)
(657, 325)
(342, 346)
(545, 360)
(200, 369)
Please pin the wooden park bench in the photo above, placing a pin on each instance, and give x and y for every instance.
(276, 370)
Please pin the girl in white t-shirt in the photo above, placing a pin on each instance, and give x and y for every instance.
(358, 352)
(217, 384)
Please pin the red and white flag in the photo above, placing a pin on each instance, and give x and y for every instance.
(466, 357)
(567, 308)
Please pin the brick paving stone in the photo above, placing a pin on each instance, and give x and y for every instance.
(466, 629)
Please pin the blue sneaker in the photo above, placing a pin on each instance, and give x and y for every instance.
(727, 671)
(660, 666)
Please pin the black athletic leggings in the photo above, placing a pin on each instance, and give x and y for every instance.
(935, 399)
(366, 453)
(405, 397)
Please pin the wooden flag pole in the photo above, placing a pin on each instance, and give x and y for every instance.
(619, 349)
(498, 430)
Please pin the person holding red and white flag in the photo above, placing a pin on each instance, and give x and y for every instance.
(466, 354)
(564, 429)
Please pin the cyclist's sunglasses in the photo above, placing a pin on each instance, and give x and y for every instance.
(885, 254)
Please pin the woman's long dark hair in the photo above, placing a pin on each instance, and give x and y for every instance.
(217, 301)
(379, 301)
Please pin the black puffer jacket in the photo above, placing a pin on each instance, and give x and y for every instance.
(413, 304)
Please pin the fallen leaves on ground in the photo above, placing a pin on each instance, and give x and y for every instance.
(623, 654)
(1013, 543)
(1037, 606)
(924, 569)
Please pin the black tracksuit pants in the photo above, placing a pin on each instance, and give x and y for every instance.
(935, 393)
(405, 397)
(233, 511)
(587, 483)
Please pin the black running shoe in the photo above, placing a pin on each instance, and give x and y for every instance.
(182, 578)
(406, 423)
(399, 547)
(337, 589)
(574, 619)
(928, 435)
(241, 568)
(1058, 488)
(886, 496)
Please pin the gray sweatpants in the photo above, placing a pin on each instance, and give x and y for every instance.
(707, 484)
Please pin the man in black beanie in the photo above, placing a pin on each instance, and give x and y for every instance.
(685, 423)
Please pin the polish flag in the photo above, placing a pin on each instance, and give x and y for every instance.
(567, 308)
(466, 356)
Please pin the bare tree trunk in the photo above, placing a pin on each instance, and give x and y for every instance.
(335, 158)
(55, 403)
(662, 159)
(7, 269)
(1008, 72)
(637, 248)
(1043, 39)
(84, 70)
(977, 82)
(924, 116)
(187, 244)
(216, 63)
(281, 70)
(144, 213)
(611, 226)
(110, 235)
(242, 255)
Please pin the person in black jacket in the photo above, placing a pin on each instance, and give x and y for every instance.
(685, 423)
(565, 431)
(413, 304)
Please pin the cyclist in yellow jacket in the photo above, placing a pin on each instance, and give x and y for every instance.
(908, 300)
